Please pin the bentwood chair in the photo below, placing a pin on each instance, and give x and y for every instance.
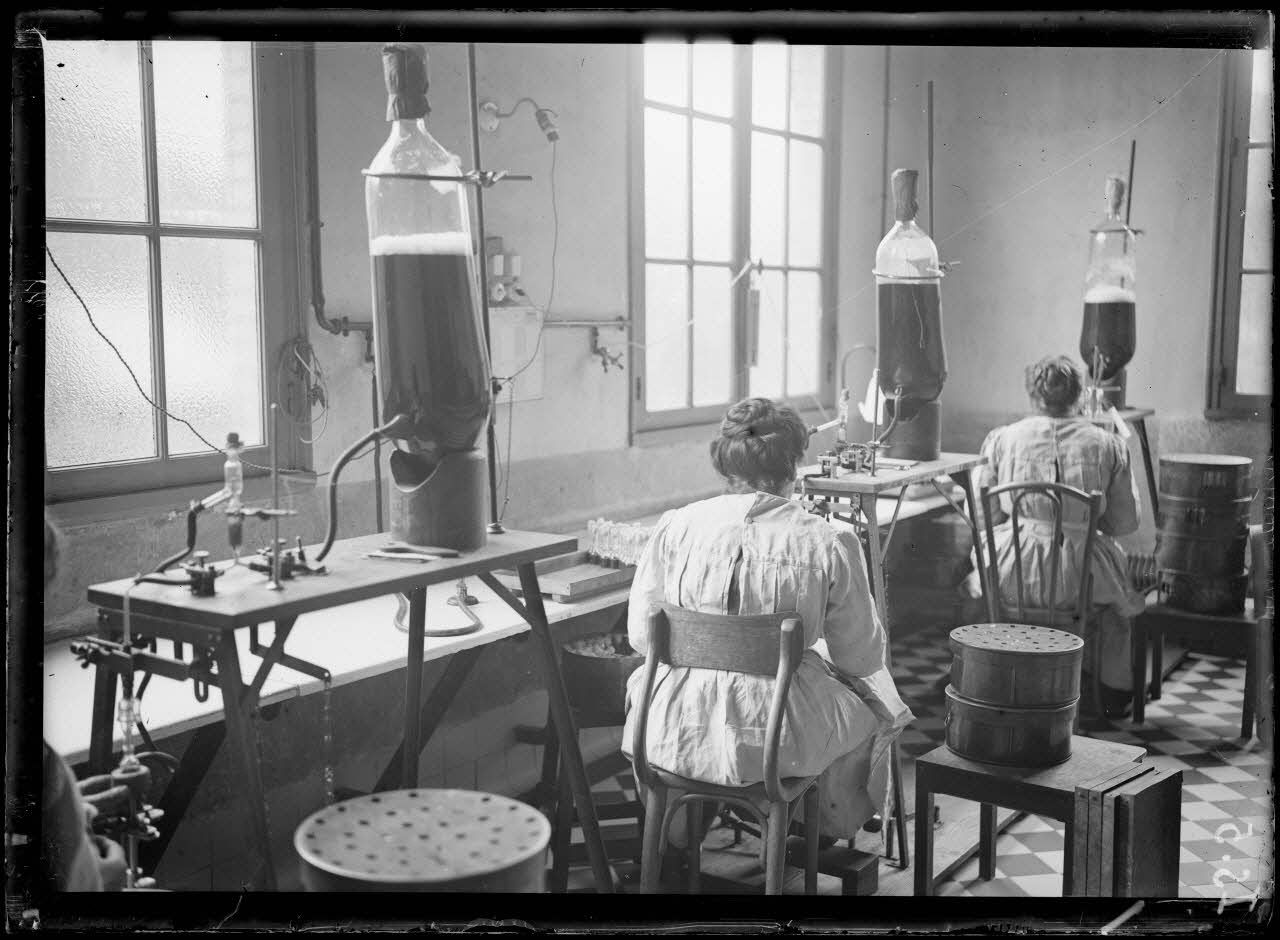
(761, 645)
(1072, 614)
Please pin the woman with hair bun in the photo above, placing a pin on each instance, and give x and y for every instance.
(754, 550)
(1058, 445)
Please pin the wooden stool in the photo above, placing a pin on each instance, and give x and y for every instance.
(1044, 791)
(424, 840)
(1221, 634)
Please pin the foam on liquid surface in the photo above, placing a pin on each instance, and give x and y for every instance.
(431, 243)
(1109, 294)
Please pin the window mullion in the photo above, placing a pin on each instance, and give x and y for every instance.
(153, 246)
(688, 208)
(786, 228)
(740, 372)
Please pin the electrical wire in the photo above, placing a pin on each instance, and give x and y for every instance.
(516, 107)
(147, 398)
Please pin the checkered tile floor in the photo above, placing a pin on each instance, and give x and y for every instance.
(1226, 794)
(1194, 727)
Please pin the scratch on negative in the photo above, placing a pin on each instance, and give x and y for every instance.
(239, 901)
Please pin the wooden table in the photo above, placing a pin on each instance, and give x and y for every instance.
(243, 602)
(1044, 791)
(863, 490)
(1137, 417)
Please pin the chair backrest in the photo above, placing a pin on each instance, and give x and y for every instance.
(1057, 497)
(755, 644)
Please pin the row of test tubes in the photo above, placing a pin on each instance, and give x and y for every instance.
(615, 544)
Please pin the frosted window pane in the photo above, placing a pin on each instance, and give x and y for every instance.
(1261, 120)
(769, 84)
(666, 72)
(712, 190)
(804, 205)
(211, 340)
(93, 131)
(712, 336)
(1257, 211)
(768, 193)
(713, 78)
(1253, 358)
(765, 377)
(93, 411)
(666, 339)
(804, 332)
(204, 133)
(808, 95)
(666, 184)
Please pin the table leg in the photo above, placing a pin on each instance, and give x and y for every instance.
(413, 688)
(924, 834)
(965, 479)
(181, 790)
(876, 552)
(432, 712)
(1068, 856)
(103, 719)
(1140, 425)
(566, 729)
(1138, 663)
(986, 841)
(238, 703)
(1250, 684)
(1156, 639)
(550, 760)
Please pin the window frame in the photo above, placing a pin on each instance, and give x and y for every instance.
(646, 423)
(1223, 401)
(278, 73)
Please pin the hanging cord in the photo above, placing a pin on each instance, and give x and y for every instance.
(147, 398)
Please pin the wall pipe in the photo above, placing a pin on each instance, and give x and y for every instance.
(341, 326)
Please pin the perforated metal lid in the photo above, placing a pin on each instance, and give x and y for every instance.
(421, 836)
(1015, 638)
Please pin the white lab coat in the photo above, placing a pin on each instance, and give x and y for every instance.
(843, 710)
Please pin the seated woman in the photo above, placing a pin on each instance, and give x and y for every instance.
(1057, 445)
(751, 551)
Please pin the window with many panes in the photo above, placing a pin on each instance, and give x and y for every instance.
(735, 168)
(1241, 363)
(169, 209)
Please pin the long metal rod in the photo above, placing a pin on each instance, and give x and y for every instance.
(1133, 151)
(618, 322)
(929, 108)
(491, 435)
(479, 179)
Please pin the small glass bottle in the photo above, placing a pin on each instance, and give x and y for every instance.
(233, 472)
(233, 481)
